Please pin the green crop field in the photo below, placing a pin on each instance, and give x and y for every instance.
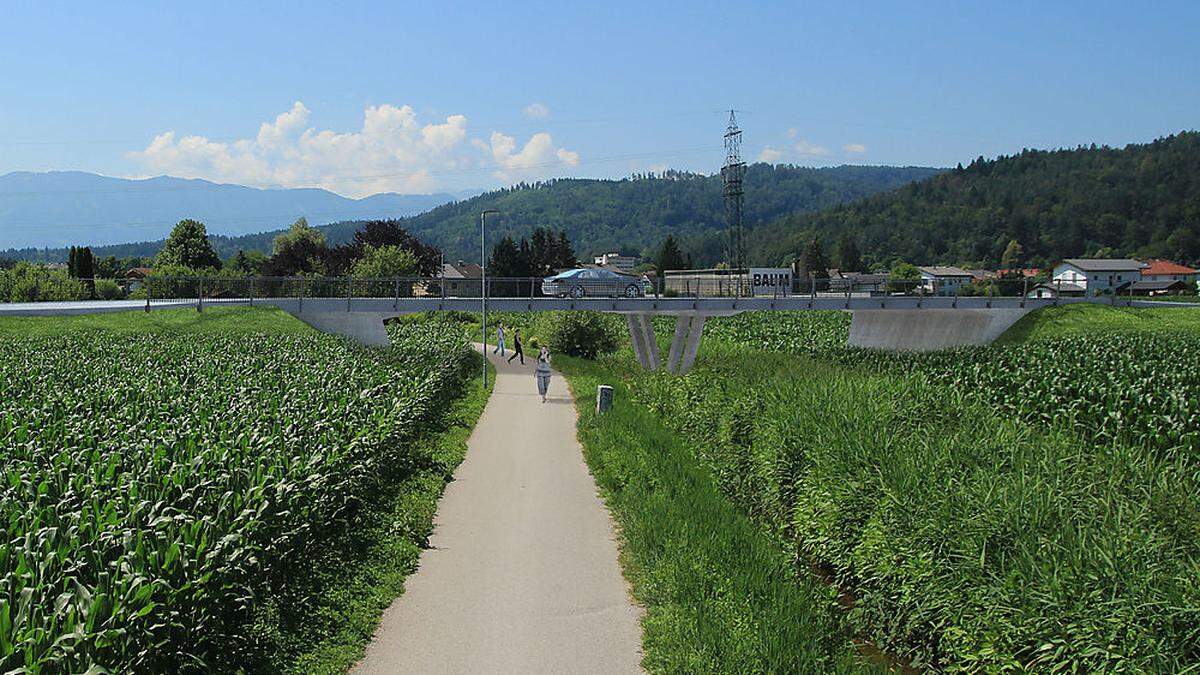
(1026, 506)
(160, 487)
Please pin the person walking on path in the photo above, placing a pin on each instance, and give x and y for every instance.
(499, 340)
(542, 372)
(517, 349)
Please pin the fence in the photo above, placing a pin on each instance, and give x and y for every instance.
(244, 290)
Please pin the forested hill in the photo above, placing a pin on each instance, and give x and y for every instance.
(634, 215)
(631, 215)
(1141, 200)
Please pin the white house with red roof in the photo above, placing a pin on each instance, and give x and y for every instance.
(1158, 269)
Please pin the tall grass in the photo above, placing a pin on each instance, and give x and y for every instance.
(973, 542)
(719, 595)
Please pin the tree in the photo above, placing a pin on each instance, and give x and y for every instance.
(1013, 257)
(508, 259)
(382, 262)
(249, 263)
(813, 264)
(669, 257)
(72, 261)
(188, 246)
(300, 250)
(378, 233)
(85, 263)
(903, 277)
(849, 259)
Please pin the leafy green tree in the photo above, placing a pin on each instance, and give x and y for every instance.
(1014, 255)
(73, 263)
(669, 257)
(381, 262)
(188, 246)
(85, 264)
(300, 250)
(509, 260)
(247, 263)
(903, 276)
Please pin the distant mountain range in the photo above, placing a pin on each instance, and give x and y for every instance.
(631, 215)
(64, 208)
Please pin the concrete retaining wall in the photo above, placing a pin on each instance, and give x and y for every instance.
(362, 327)
(923, 330)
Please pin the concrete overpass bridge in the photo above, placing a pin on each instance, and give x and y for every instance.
(896, 321)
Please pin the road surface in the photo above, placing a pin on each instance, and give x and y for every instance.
(521, 575)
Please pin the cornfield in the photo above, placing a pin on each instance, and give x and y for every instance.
(153, 490)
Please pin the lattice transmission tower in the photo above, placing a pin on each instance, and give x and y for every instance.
(732, 174)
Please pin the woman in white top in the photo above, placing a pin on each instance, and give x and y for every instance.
(499, 340)
(542, 372)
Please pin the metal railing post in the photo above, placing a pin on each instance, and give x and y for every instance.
(302, 282)
(1057, 291)
(200, 296)
(349, 291)
(396, 302)
(146, 282)
(1024, 289)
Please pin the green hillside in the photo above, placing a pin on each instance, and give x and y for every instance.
(1140, 200)
(631, 215)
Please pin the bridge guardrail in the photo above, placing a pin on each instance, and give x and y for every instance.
(225, 288)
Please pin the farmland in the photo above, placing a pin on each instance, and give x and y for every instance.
(164, 490)
(1025, 506)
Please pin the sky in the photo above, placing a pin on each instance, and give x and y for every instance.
(424, 97)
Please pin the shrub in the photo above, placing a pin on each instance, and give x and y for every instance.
(107, 289)
(583, 334)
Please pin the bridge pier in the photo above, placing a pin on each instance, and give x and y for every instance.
(645, 345)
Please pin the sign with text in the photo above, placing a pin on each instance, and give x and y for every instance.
(770, 281)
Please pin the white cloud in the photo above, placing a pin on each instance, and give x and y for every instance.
(854, 148)
(791, 133)
(770, 155)
(537, 111)
(392, 152)
(803, 147)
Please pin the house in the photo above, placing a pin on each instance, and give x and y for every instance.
(944, 280)
(461, 278)
(857, 282)
(623, 263)
(1164, 287)
(1157, 269)
(982, 275)
(139, 273)
(1054, 290)
(1098, 275)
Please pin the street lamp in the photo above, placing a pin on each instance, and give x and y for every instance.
(483, 281)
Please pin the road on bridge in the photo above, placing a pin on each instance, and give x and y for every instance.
(521, 574)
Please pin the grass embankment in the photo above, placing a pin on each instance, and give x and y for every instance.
(209, 499)
(720, 595)
(1089, 319)
(971, 542)
(213, 320)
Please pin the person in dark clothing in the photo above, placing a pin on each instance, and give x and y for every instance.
(518, 350)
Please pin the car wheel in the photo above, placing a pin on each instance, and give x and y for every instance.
(577, 292)
(631, 291)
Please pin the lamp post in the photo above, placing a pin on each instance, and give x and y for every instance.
(483, 282)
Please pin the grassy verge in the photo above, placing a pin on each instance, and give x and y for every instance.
(223, 320)
(720, 595)
(1088, 319)
(330, 616)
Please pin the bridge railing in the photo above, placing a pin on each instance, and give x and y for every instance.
(229, 288)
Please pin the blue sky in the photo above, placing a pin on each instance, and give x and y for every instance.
(366, 97)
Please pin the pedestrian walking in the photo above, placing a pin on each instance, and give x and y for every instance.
(542, 372)
(499, 340)
(518, 351)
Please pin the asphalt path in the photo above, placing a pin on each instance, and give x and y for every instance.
(521, 575)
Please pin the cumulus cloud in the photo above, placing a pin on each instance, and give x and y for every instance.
(392, 152)
(770, 155)
(537, 111)
(803, 147)
(854, 148)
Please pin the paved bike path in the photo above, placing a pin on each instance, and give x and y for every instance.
(521, 574)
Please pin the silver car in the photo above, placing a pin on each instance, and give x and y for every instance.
(586, 282)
